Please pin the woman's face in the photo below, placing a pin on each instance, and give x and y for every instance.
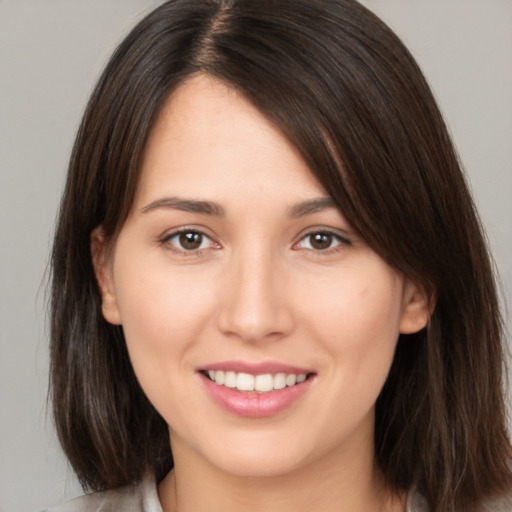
(234, 265)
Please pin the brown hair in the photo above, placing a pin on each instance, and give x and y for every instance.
(350, 97)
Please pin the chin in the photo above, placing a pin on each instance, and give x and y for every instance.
(258, 466)
(261, 455)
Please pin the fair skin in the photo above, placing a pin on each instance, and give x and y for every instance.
(263, 275)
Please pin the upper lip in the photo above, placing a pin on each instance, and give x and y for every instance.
(261, 368)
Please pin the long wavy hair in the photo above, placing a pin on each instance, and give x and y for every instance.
(347, 93)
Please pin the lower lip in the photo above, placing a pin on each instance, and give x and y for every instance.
(255, 405)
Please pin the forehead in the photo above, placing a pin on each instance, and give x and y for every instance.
(209, 139)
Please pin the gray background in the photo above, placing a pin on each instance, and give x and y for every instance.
(51, 53)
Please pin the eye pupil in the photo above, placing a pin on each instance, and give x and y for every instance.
(321, 241)
(191, 240)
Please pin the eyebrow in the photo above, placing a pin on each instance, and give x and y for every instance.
(312, 206)
(185, 205)
(210, 208)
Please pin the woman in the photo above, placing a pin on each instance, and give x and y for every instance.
(271, 290)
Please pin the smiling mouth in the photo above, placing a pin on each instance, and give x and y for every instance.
(261, 383)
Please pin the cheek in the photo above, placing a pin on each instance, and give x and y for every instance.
(361, 307)
(356, 320)
(162, 312)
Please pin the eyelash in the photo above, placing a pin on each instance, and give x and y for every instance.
(341, 241)
(166, 241)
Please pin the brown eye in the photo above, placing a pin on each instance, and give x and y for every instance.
(321, 241)
(190, 241)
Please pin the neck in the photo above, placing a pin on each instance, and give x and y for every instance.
(337, 481)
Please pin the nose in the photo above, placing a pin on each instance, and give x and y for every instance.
(255, 305)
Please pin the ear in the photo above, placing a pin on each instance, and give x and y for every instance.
(418, 307)
(103, 272)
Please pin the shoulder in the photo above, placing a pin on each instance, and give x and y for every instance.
(503, 504)
(141, 497)
(417, 503)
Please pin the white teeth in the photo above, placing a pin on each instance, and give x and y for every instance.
(280, 381)
(291, 379)
(230, 380)
(264, 383)
(245, 382)
(260, 383)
